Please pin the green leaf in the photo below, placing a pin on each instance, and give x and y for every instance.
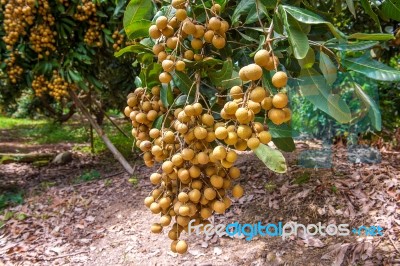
(328, 69)
(137, 10)
(309, 60)
(75, 76)
(136, 48)
(158, 122)
(225, 73)
(233, 81)
(181, 100)
(243, 7)
(372, 68)
(272, 158)
(138, 29)
(138, 82)
(315, 89)
(372, 36)
(373, 109)
(368, 10)
(391, 8)
(281, 131)
(308, 17)
(354, 46)
(20, 216)
(297, 38)
(152, 73)
(183, 82)
(167, 98)
(350, 5)
(284, 144)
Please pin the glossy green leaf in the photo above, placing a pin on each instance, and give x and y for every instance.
(243, 7)
(373, 109)
(371, 68)
(368, 10)
(158, 122)
(184, 83)
(309, 60)
(297, 38)
(284, 144)
(137, 10)
(354, 46)
(315, 89)
(371, 36)
(136, 48)
(279, 131)
(350, 6)
(272, 158)
(328, 69)
(308, 17)
(167, 98)
(391, 8)
(138, 29)
(225, 73)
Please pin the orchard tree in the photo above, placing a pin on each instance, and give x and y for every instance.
(215, 77)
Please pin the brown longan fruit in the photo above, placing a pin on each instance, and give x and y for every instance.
(288, 114)
(236, 92)
(231, 156)
(200, 132)
(180, 65)
(261, 58)
(214, 24)
(199, 32)
(216, 8)
(165, 220)
(174, 23)
(224, 28)
(181, 14)
(164, 202)
(264, 137)
(202, 158)
(258, 94)
(189, 110)
(155, 208)
(167, 167)
(162, 22)
(217, 181)
(205, 213)
(221, 133)
(207, 119)
(168, 31)
(209, 193)
(156, 228)
(148, 201)
(157, 48)
(208, 36)
(234, 172)
(168, 65)
(187, 154)
(279, 79)
(242, 74)
(195, 195)
(237, 191)
(196, 44)
(177, 159)
(253, 143)
(154, 32)
(253, 72)
(219, 153)
(173, 234)
(219, 207)
(165, 77)
(253, 106)
(189, 55)
(218, 42)
(280, 100)
(198, 57)
(178, 4)
(172, 42)
(273, 63)
(231, 108)
(188, 27)
(241, 114)
(277, 116)
(162, 56)
(266, 104)
(155, 178)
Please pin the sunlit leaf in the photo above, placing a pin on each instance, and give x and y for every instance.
(272, 158)
(328, 69)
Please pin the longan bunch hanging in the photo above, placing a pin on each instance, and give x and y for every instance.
(182, 37)
(118, 40)
(93, 34)
(14, 71)
(17, 16)
(85, 10)
(40, 85)
(56, 87)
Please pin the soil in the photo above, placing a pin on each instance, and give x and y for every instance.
(104, 221)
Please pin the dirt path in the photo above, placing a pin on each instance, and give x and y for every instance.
(104, 222)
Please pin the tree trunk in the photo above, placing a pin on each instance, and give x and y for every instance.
(102, 135)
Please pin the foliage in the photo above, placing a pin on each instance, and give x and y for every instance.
(88, 176)
(10, 198)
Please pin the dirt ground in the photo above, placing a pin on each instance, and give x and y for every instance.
(104, 222)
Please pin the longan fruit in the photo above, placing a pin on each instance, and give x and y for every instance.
(164, 203)
(172, 42)
(217, 181)
(178, 4)
(277, 116)
(221, 133)
(279, 79)
(218, 42)
(198, 109)
(219, 153)
(231, 139)
(242, 74)
(155, 208)
(154, 33)
(210, 137)
(198, 57)
(266, 104)
(183, 174)
(205, 213)
(156, 228)
(253, 72)
(155, 178)
(165, 220)
(264, 137)
(288, 114)
(169, 137)
(196, 44)
(162, 56)
(234, 172)
(209, 193)
(208, 36)
(189, 110)
(241, 114)
(199, 32)
(174, 23)
(180, 65)
(258, 94)
(273, 62)
(167, 167)
(202, 158)
(165, 77)
(157, 48)
(173, 234)
(231, 156)
(195, 195)
(224, 27)
(181, 14)
(189, 55)
(280, 100)
(148, 201)
(188, 27)
(177, 159)
(231, 108)
(168, 31)
(253, 143)
(197, 184)
(253, 106)
(261, 58)
(168, 65)
(216, 8)
(194, 171)
(237, 191)
(236, 92)
(161, 22)
(207, 119)
(214, 24)
(200, 132)
(154, 133)
(184, 210)
(219, 207)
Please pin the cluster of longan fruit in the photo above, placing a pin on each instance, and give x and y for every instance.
(182, 37)
(85, 10)
(42, 39)
(17, 16)
(118, 40)
(93, 34)
(14, 71)
(57, 87)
